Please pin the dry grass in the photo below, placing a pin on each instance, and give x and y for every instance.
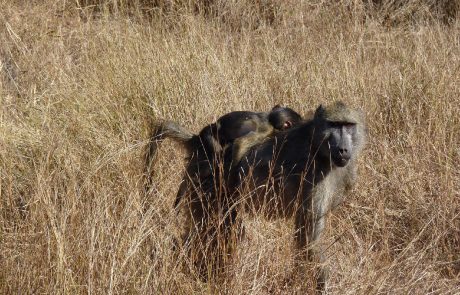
(80, 86)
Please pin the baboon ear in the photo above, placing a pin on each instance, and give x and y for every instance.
(276, 107)
(319, 111)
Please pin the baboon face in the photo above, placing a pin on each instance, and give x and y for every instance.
(339, 127)
(339, 137)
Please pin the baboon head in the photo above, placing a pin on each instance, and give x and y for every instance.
(282, 118)
(341, 132)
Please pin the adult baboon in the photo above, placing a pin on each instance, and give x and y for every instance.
(301, 172)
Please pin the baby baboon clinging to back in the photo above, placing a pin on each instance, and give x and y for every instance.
(237, 124)
(280, 118)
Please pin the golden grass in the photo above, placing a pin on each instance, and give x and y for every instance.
(81, 86)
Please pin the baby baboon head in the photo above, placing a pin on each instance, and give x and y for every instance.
(282, 118)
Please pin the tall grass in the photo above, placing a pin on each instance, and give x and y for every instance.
(81, 83)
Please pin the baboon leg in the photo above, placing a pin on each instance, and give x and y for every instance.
(214, 244)
(318, 254)
(303, 229)
(308, 231)
(228, 235)
(183, 189)
(196, 238)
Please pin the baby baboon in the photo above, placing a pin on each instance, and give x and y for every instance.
(301, 172)
(237, 124)
(280, 118)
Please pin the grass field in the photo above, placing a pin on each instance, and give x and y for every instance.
(82, 81)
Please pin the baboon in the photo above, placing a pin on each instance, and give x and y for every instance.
(280, 118)
(237, 124)
(301, 172)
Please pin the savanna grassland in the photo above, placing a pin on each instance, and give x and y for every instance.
(81, 83)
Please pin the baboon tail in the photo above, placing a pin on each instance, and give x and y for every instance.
(172, 130)
(166, 129)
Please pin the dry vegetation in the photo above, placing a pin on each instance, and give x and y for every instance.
(81, 81)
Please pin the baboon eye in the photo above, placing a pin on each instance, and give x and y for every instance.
(334, 124)
(349, 126)
(342, 124)
(287, 125)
